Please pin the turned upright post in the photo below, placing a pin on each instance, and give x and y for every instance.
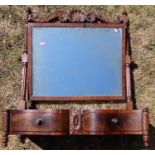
(128, 63)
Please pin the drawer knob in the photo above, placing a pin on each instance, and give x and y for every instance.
(114, 120)
(39, 121)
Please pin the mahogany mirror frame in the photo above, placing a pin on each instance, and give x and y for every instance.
(31, 25)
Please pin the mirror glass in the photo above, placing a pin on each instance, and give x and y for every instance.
(76, 61)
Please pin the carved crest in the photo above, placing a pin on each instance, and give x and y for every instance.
(75, 16)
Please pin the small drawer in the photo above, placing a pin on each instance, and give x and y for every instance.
(112, 122)
(39, 122)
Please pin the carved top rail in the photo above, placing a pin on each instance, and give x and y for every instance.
(75, 16)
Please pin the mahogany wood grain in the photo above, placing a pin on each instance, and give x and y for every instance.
(75, 122)
(37, 121)
(112, 122)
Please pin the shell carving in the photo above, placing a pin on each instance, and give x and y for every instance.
(73, 17)
(91, 18)
(77, 16)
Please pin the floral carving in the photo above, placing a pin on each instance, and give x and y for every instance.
(75, 16)
(75, 122)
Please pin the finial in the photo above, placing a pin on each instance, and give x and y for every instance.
(29, 14)
(125, 17)
(124, 13)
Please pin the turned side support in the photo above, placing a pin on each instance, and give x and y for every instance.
(24, 59)
(5, 127)
(128, 63)
(128, 83)
(23, 100)
(146, 137)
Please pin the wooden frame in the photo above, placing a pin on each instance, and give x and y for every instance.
(77, 98)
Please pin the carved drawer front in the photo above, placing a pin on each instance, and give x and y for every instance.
(112, 122)
(54, 122)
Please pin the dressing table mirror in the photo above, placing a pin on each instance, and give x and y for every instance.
(71, 56)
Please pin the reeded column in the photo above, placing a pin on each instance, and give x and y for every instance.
(5, 127)
(146, 127)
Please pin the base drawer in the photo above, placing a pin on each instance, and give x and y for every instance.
(54, 122)
(112, 122)
(75, 122)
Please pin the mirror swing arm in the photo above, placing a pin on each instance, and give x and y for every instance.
(74, 122)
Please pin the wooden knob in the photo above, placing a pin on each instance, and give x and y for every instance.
(114, 120)
(39, 121)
